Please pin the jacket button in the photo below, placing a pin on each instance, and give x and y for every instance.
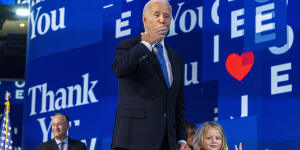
(164, 115)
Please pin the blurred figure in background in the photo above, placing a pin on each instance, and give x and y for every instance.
(210, 136)
(190, 129)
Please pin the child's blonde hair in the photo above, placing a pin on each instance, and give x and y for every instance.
(199, 135)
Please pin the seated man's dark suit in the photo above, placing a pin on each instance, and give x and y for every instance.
(147, 109)
(72, 145)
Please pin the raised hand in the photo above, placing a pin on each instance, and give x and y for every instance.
(155, 35)
(240, 147)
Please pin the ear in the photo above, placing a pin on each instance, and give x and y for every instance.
(68, 125)
(145, 21)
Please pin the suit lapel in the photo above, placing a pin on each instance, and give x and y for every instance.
(70, 144)
(174, 67)
(154, 60)
(155, 63)
(54, 145)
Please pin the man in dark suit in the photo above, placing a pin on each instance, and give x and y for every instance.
(150, 112)
(61, 141)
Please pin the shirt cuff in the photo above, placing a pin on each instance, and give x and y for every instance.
(148, 45)
(181, 141)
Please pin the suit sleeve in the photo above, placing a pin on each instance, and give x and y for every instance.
(40, 147)
(128, 55)
(83, 146)
(180, 109)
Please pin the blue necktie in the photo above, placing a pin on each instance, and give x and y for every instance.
(162, 61)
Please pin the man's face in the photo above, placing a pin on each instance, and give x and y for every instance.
(59, 127)
(157, 15)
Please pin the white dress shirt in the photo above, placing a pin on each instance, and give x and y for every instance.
(66, 144)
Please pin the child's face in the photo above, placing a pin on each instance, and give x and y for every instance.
(212, 139)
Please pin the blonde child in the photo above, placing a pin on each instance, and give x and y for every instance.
(210, 136)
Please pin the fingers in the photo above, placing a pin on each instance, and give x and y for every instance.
(162, 31)
(156, 35)
(144, 36)
(240, 146)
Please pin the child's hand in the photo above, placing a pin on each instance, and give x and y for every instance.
(239, 146)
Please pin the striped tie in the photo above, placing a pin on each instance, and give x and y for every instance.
(61, 146)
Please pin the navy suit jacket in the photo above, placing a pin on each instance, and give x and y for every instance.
(72, 145)
(147, 109)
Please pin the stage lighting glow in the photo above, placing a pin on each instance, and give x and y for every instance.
(22, 12)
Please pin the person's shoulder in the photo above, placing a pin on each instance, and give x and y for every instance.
(70, 140)
(132, 39)
(173, 51)
(73, 141)
(48, 142)
(129, 42)
(45, 144)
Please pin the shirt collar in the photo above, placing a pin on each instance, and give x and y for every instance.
(162, 43)
(65, 141)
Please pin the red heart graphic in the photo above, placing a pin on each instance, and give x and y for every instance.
(239, 66)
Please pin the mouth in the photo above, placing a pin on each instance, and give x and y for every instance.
(213, 146)
(57, 131)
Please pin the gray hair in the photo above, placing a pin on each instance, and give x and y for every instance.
(145, 10)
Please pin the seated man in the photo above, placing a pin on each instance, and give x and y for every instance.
(61, 141)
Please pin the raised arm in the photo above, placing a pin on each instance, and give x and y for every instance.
(129, 54)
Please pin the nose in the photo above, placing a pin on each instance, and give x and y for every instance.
(161, 19)
(55, 127)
